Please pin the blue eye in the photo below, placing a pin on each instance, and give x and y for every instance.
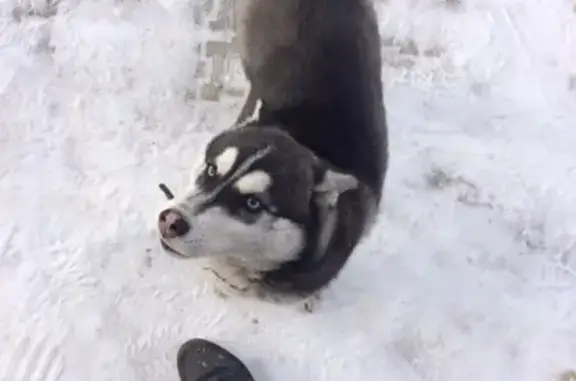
(253, 204)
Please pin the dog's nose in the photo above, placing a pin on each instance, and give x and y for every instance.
(172, 224)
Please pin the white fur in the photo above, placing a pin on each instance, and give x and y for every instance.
(254, 117)
(225, 161)
(261, 245)
(194, 196)
(253, 182)
(337, 182)
(231, 278)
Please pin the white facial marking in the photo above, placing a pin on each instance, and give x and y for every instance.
(270, 240)
(253, 182)
(225, 161)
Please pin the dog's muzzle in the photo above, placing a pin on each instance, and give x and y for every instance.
(172, 224)
(171, 250)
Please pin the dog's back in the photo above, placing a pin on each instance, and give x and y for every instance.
(316, 67)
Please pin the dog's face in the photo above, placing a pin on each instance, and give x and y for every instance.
(250, 201)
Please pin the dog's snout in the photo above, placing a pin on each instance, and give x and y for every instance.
(172, 224)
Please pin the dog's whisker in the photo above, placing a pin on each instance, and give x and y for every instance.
(167, 192)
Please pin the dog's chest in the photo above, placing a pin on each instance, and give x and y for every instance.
(231, 280)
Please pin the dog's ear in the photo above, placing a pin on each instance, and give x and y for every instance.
(334, 181)
(314, 271)
(329, 183)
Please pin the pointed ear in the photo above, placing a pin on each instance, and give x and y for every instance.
(334, 181)
(330, 184)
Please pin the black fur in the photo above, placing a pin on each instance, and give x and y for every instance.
(308, 275)
(343, 121)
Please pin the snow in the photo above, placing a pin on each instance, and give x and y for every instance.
(469, 275)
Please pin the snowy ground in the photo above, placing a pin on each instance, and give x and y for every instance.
(471, 274)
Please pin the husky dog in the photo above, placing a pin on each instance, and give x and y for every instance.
(283, 199)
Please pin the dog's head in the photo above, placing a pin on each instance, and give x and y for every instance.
(251, 200)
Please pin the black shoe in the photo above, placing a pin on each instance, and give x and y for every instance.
(202, 360)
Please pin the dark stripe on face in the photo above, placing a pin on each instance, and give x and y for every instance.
(212, 187)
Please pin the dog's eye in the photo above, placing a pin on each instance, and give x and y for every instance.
(211, 170)
(253, 204)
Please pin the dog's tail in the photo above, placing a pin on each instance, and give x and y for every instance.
(307, 276)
